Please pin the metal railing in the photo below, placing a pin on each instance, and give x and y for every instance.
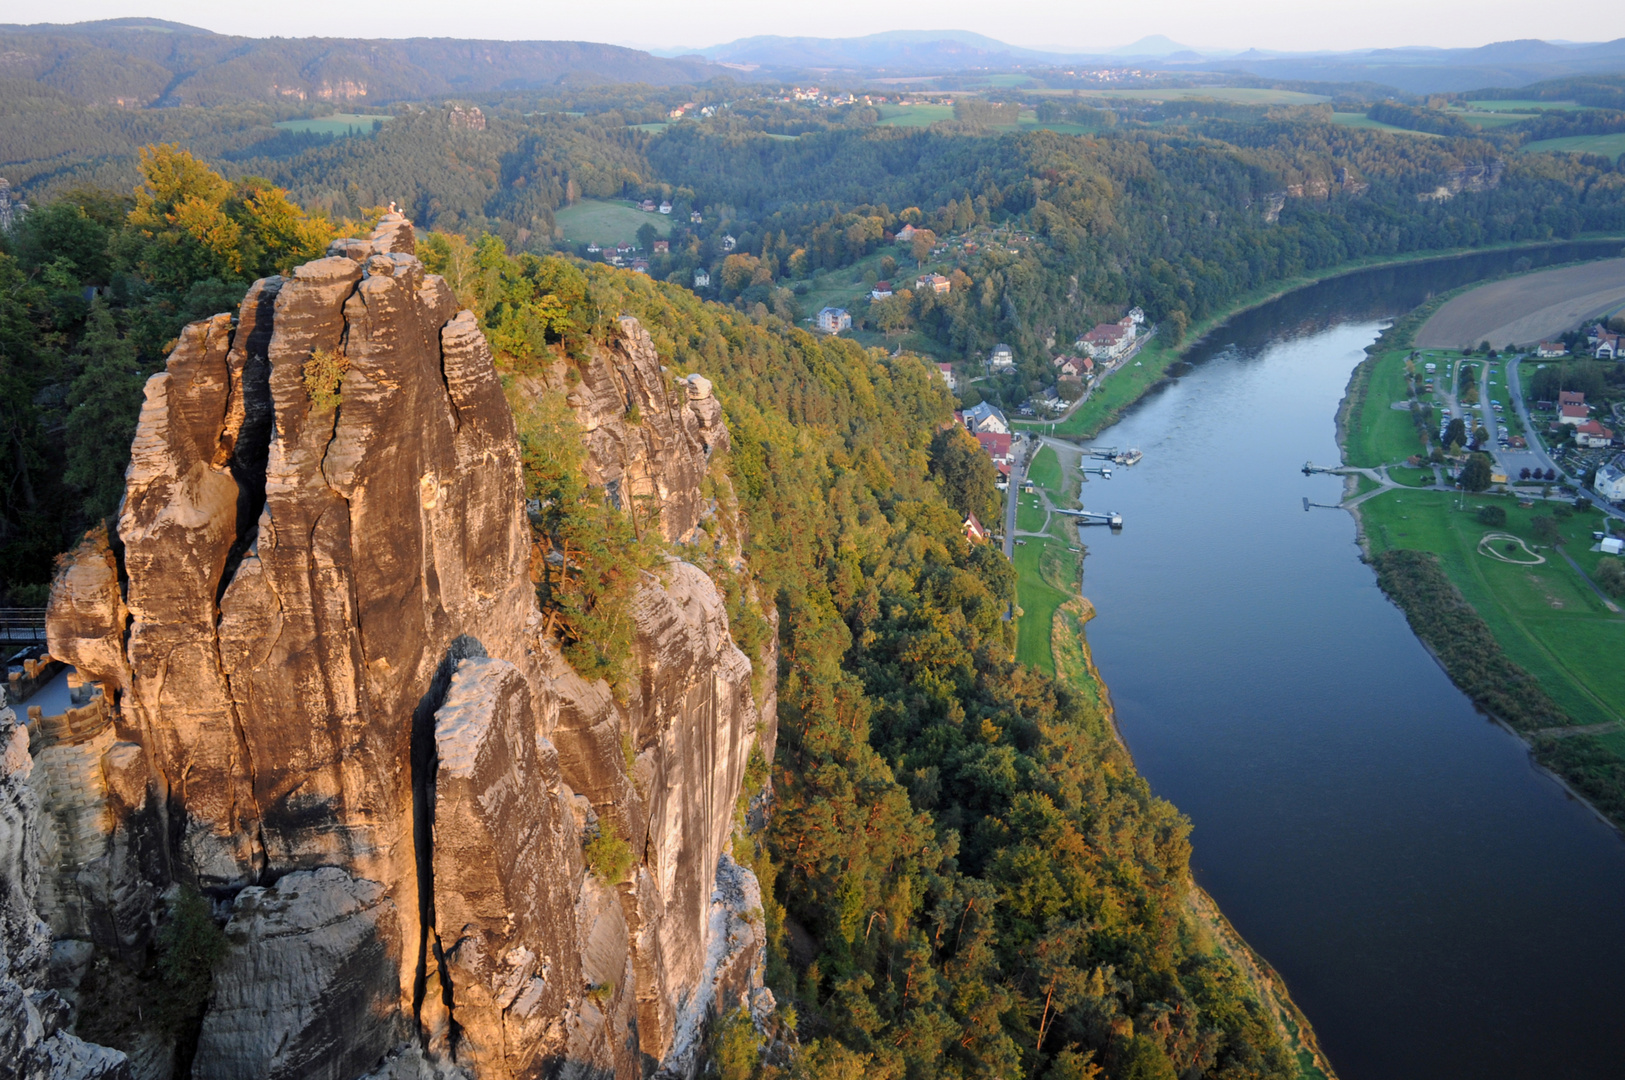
(22, 624)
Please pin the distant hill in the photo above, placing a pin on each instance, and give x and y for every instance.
(908, 51)
(143, 62)
(1154, 45)
(1425, 71)
(1410, 69)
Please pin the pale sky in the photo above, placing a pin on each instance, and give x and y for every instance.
(1050, 24)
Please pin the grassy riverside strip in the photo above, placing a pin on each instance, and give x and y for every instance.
(1462, 641)
(1051, 635)
(1530, 643)
(1127, 385)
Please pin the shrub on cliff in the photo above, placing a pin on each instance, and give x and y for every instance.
(593, 554)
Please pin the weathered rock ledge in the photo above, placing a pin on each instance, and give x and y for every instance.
(331, 707)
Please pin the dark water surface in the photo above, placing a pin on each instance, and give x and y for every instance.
(1437, 906)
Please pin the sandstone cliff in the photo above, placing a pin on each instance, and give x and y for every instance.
(327, 700)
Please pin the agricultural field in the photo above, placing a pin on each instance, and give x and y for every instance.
(592, 220)
(1526, 309)
(1481, 119)
(1524, 106)
(335, 124)
(1610, 146)
(914, 115)
(1546, 617)
(1235, 95)
(1361, 120)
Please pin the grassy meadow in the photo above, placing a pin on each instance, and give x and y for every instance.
(1610, 146)
(1377, 433)
(334, 124)
(1546, 618)
(593, 220)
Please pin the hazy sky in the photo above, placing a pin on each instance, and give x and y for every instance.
(1054, 24)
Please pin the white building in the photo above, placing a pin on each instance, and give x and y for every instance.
(702, 278)
(728, 242)
(832, 320)
(948, 376)
(1610, 481)
(986, 419)
(1002, 358)
(1107, 341)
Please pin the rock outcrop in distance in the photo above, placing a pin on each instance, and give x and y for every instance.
(327, 701)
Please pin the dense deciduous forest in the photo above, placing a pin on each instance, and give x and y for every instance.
(967, 876)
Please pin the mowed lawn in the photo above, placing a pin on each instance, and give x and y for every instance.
(1029, 514)
(1378, 433)
(336, 124)
(592, 220)
(1046, 577)
(1610, 146)
(1045, 471)
(1547, 619)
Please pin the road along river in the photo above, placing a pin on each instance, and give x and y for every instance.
(1438, 906)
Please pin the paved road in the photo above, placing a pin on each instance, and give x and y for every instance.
(1012, 495)
(1515, 390)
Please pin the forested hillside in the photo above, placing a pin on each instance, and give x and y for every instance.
(141, 62)
(968, 878)
(965, 875)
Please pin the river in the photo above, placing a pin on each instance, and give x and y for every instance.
(1437, 905)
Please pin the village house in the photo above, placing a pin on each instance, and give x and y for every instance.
(702, 278)
(1592, 435)
(935, 282)
(1609, 347)
(1002, 359)
(1544, 349)
(948, 376)
(647, 206)
(665, 208)
(974, 532)
(1073, 366)
(1610, 481)
(832, 320)
(1573, 414)
(662, 247)
(728, 242)
(694, 217)
(623, 248)
(986, 417)
(593, 249)
(906, 233)
(996, 446)
(1107, 341)
(640, 266)
(881, 291)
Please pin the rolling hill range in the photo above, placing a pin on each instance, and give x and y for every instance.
(147, 62)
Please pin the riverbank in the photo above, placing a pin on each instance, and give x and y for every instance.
(1129, 383)
(1051, 635)
(1532, 644)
